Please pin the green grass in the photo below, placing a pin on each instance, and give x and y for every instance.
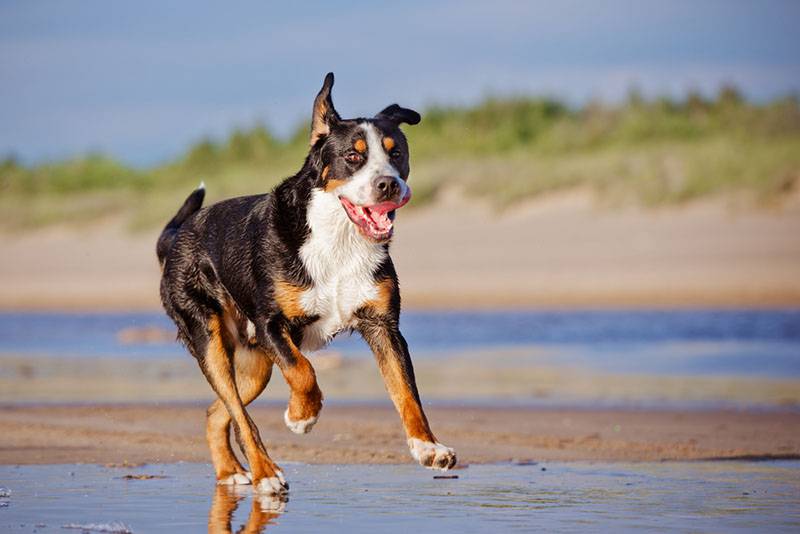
(504, 150)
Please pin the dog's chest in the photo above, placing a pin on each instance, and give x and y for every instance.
(335, 302)
(341, 264)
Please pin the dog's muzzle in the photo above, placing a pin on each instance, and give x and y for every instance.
(375, 221)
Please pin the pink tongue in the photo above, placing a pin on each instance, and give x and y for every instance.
(381, 220)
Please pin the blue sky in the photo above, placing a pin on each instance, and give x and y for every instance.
(142, 80)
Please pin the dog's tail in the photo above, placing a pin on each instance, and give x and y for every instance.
(192, 203)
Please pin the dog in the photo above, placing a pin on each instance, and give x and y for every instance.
(254, 281)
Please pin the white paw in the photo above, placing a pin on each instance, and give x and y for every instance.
(272, 485)
(236, 479)
(432, 455)
(303, 426)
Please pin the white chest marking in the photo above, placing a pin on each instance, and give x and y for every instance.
(341, 263)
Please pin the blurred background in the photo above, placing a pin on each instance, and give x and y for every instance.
(605, 209)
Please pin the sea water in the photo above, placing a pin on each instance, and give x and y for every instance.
(681, 342)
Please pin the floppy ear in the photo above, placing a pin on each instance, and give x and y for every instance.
(398, 115)
(324, 114)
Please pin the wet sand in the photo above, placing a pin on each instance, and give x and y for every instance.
(551, 497)
(371, 433)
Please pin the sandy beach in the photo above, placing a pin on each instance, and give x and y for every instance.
(371, 433)
(456, 253)
(561, 250)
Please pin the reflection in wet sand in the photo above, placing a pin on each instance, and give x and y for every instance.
(264, 510)
(504, 497)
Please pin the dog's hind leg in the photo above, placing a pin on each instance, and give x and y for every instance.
(227, 468)
(253, 369)
(217, 362)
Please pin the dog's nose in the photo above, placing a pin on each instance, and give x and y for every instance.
(387, 187)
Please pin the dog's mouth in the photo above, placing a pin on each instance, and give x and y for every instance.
(377, 221)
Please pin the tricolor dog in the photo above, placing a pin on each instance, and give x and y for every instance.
(255, 281)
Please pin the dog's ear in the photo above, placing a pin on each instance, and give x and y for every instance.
(398, 115)
(324, 114)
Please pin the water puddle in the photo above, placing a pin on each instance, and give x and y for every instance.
(704, 496)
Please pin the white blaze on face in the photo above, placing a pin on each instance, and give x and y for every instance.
(359, 189)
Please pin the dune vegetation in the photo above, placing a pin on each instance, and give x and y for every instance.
(647, 151)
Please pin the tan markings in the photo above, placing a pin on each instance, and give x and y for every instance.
(414, 420)
(288, 296)
(217, 366)
(333, 183)
(319, 127)
(388, 143)
(394, 377)
(218, 437)
(253, 369)
(305, 400)
(360, 145)
(233, 320)
(217, 362)
(382, 303)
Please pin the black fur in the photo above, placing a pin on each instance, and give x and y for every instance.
(232, 251)
(228, 262)
(192, 203)
(398, 115)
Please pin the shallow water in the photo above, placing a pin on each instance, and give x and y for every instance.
(680, 342)
(697, 497)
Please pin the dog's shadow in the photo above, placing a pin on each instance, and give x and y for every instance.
(264, 510)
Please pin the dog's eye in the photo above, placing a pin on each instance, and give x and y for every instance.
(353, 157)
(395, 154)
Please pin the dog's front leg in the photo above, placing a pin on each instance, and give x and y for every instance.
(305, 397)
(391, 352)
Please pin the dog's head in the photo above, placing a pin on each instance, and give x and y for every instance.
(363, 162)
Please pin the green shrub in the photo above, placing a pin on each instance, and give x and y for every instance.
(504, 149)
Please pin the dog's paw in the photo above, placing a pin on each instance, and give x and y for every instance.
(432, 455)
(302, 426)
(303, 410)
(236, 479)
(274, 485)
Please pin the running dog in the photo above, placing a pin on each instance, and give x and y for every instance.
(256, 280)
